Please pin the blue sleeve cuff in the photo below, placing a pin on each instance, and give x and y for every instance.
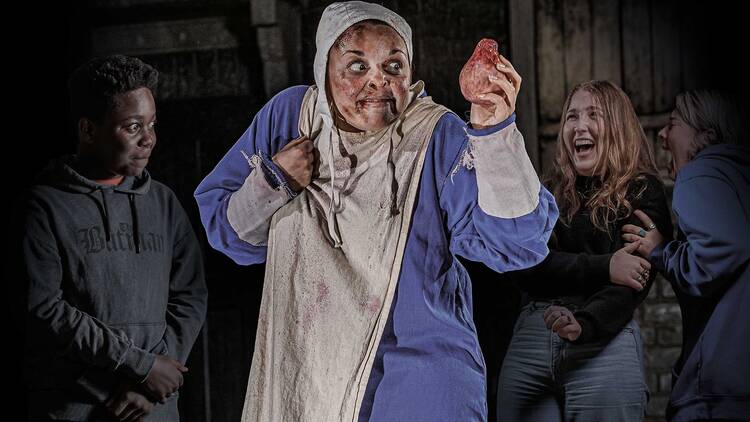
(274, 175)
(491, 129)
(657, 256)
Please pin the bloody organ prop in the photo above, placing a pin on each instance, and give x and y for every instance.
(474, 78)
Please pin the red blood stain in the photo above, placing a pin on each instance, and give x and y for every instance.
(312, 310)
(372, 305)
(322, 293)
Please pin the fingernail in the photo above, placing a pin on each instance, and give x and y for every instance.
(493, 77)
(481, 95)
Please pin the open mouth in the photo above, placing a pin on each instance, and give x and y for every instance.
(377, 102)
(583, 145)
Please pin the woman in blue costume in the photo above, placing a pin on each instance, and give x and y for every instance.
(358, 193)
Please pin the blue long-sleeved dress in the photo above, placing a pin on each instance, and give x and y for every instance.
(428, 364)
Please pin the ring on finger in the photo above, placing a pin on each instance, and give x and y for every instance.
(642, 233)
(651, 226)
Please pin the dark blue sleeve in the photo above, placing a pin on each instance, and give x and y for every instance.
(717, 229)
(274, 126)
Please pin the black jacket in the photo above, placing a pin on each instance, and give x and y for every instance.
(576, 271)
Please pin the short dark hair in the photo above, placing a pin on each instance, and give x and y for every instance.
(94, 85)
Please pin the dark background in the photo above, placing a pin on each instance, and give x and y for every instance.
(210, 91)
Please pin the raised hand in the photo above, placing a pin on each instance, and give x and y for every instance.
(502, 101)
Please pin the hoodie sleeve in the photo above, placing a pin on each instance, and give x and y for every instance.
(496, 209)
(236, 202)
(76, 334)
(186, 307)
(717, 230)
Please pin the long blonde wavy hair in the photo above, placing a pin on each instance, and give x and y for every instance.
(625, 155)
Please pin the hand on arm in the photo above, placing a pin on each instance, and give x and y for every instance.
(715, 249)
(647, 238)
(627, 269)
(165, 378)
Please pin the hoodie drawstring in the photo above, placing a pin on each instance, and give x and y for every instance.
(333, 225)
(392, 173)
(134, 216)
(105, 216)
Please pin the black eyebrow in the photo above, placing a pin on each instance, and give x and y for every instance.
(133, 117)
(396, 50)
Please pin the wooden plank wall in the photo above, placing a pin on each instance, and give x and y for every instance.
(643, 46)
(652, 49)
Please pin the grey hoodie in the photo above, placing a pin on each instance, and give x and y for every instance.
(115, 277)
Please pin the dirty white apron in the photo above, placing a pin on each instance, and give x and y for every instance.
(324, 307)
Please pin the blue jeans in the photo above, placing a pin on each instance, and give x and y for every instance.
(545, 378)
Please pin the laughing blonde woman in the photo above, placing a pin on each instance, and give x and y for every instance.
(576, 352)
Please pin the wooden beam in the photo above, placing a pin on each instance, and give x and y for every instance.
(163, 37)
(606, 41)
(551, 65)
(577, 42)
(638, 55)
(522, 50)
(263, 12)
(666, 45)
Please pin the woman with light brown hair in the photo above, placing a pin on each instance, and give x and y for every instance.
(576, 351)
